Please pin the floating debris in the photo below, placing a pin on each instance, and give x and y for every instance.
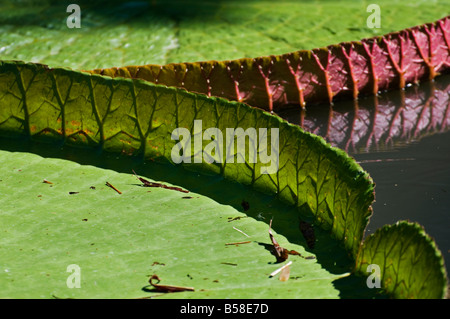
(167, 288)
(231, 264)
(285, 273)
(280, 253)
(153, 184)
(110, 185)
(238, 243)
(280, 269)
(240, 231)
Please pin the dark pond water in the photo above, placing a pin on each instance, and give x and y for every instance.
(402, 139)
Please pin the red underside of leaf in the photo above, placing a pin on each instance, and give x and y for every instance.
(345, 70)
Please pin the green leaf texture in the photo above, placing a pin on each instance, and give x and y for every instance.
(119, 33)
(119, 240)
(411, 265)
(136, 117)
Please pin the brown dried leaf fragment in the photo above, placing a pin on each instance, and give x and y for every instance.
(153, 184)
(294, 252)
(110, 185)
(230, 264)
(238, 243)
(158, 263)
(167, 288)
(280, 253)
(273, 273)
(285, 273)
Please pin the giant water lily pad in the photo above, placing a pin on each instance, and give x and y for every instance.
(119, 240)
(322, 184)
(120, 235)
(119, 33)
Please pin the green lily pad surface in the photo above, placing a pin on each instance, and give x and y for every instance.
(118, 240)
(119, 33)
(76, 222)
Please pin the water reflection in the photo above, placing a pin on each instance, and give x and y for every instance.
(401, 139)
(380, 123)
